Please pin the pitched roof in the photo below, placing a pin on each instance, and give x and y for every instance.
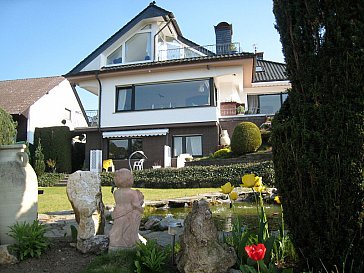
(269, 71)
(149, 12)
(18, 95)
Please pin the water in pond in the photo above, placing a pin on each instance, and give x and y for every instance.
(224, 216)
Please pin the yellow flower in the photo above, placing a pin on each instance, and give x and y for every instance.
(233, 195)
(258, 181)
(278, 201)
(259, 188)
(248, 180)
(227, 188)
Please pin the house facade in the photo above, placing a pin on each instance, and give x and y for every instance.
(41, 102)
(165, 95)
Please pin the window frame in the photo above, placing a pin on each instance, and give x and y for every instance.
(184, 144)
(212, 91)
(129, 150)
(269, 94)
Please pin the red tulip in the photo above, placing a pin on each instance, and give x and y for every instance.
(256, 252)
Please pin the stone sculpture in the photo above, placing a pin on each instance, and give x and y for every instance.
(201, 251)
(127, 212)
(84, 194)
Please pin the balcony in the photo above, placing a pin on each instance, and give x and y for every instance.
(197, 51)
(92, 117)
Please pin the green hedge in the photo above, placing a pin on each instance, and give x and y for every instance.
(8, 128)
(197, 176)
(56, 143)
(50, 179)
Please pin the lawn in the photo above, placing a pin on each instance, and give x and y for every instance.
(55, 198)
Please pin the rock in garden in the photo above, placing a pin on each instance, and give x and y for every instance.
(6, 257)
(201, 251)
(84, 193)
(96, 244)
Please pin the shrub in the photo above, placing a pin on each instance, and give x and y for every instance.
(8, 128)
(30, 239)
(222, 153)
(49, 179)
(39, 165)
(56, 142)
(202, 176)
(246, 138)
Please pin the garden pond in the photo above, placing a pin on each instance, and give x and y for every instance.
(224, 216)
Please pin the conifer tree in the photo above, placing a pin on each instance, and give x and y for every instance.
(318, 135)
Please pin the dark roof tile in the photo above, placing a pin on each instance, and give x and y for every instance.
(269, 71)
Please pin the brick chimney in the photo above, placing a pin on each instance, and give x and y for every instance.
(223, 32)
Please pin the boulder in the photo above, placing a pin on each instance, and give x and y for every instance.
(84, 193)
(96, 244)
(201, 251)
(6, 257)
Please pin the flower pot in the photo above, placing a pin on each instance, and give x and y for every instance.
(18, 189)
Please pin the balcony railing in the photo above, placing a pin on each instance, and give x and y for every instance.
(198, 51)
(92, 117)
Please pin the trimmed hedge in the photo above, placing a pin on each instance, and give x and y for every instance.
(50, 179)
(56, 143)
(197, 176)
(246, 138)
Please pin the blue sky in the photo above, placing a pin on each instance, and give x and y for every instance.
(41, 38)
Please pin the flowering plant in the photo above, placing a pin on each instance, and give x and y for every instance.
(256, 252)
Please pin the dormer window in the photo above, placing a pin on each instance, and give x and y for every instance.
(138, 47)
(115, 57)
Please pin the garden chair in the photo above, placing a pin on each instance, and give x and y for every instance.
(138, 165)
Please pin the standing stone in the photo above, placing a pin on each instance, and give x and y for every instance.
(201, 252)
(84, 193)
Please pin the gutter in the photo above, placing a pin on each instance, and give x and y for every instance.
(99, 110)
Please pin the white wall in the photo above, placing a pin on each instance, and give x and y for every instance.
(186, 115)
(49, 110)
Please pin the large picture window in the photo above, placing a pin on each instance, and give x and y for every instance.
(265, 104)
(187, 145)
(138, 47)
(123, 148)
(168, 95)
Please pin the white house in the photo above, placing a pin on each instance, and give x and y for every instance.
(41, 102)
(166, 95)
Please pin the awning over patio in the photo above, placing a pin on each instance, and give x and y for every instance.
(136, 133)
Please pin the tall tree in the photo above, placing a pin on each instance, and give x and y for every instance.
(318, 135)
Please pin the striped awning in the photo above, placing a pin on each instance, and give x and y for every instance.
(136, 133)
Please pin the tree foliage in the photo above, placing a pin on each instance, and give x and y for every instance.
(318, 135)
(7, 128)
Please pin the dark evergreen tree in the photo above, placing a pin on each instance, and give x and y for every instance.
(7, 128)
(318, 135)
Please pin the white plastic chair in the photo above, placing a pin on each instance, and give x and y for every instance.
(138, 165)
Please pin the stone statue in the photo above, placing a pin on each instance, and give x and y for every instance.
(127, 212)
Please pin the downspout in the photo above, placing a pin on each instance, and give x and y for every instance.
(99, 112)
(159, 31)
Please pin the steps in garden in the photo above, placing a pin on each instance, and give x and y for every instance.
(62, 182)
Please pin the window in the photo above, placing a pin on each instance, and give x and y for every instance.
(138, 47)
(115, 57)
(124, 99)
(165, 95)
(187, 145)
(123, 148)
(266, 104)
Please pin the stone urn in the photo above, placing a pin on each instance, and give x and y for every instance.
(18, 189)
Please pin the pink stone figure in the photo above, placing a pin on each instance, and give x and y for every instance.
(127, 212)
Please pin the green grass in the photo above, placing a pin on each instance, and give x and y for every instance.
(55, 198)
